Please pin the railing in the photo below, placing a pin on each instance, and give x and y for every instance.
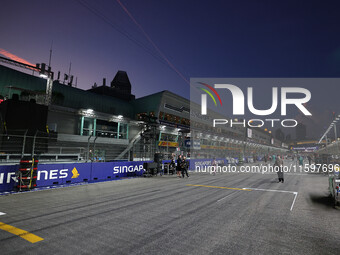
(66, 147)
(14, 144)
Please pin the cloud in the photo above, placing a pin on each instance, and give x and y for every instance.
(14, 57)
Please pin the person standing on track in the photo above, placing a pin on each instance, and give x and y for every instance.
(309, 160)
(178, 167)
(184, 167)
(300, 160)
(214, 167)
(279, 168)
(172, 164)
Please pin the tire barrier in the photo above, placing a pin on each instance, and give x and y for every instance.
(27, 173)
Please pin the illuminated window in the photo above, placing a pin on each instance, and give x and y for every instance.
(168, 117)
(168, 137)
(123, 131)
(185, 121)
(161, 115)
(176, 119)
(141, 116)
(106, 129)
(88, 126)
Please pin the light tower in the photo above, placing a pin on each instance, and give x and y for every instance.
(43, 72)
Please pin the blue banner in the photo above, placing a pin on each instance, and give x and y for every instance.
(7, 177)
(56, 174)
(112, 170)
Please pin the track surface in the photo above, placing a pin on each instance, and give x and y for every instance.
(163, 215)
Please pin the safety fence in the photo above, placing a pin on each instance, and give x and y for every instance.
(54, 147)
(59, 147)
(14, 144)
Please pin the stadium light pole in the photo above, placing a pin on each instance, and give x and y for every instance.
(46, 74)
(335, 131)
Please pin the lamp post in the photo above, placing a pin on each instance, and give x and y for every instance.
(49, 86)
(334, 124)
(46, 74)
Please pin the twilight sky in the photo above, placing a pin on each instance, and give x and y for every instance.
(217, 38)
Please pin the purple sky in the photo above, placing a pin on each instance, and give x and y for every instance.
(201, 39)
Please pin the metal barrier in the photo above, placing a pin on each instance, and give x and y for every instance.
(15, 144)
(51, 146)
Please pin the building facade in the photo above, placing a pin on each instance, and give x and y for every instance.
(107, 123)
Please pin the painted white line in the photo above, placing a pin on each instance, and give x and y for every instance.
(226, 196)
(273, 190)
(2, 213)
(282, 191)
(291, 208)
(266, 173)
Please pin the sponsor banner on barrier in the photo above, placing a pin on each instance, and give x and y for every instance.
(111, 170)
(102, 171)
(7, 177)
(129, 169)
(56, 174)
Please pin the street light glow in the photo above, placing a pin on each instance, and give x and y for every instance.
(43, 75)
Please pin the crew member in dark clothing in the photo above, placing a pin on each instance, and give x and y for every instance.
(184, 167)
(172, 164)
(309, 159)
(279, 165)
(178, 167)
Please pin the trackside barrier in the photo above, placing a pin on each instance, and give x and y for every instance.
(112, 170)
(7, 177)
(57, 174)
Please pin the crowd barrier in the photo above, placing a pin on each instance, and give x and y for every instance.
(68, 173)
